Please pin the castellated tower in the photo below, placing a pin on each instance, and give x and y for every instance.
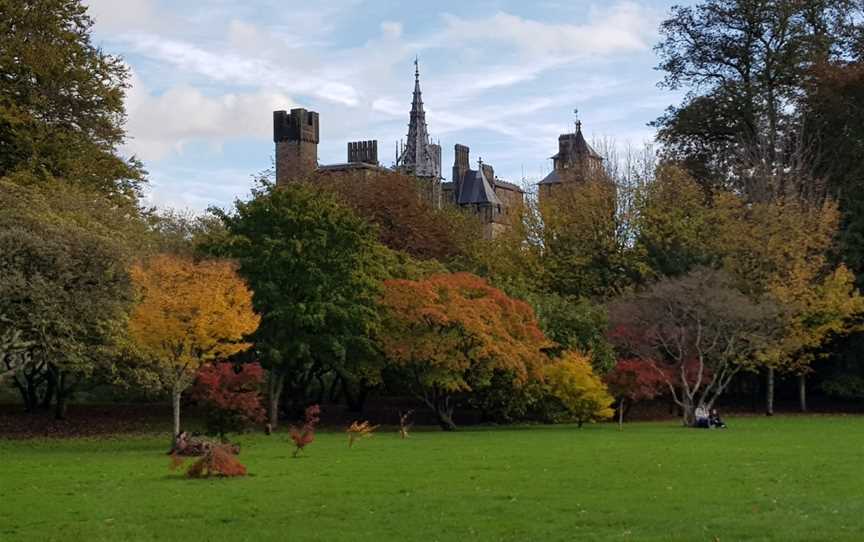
(296, 138)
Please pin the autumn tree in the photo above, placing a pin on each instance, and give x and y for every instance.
(61, 100)
(783, 251)
(697, 331)
(631, 381)
(231, 395)
(571, 381)
(405, 221)
(315, 269)
(448, 335)
(189, 313)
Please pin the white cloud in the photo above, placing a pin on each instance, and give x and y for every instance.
(161, 125)
(122, 15)
(625, 27)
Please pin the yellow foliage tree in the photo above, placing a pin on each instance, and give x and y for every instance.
(782, 250)
(572, 381)
(189, 313)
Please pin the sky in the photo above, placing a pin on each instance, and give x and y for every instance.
(502, 77)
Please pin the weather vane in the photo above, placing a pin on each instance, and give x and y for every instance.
(578, 123)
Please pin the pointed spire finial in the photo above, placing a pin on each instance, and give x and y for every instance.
(480, 162)
(416, 68)
(578, 122)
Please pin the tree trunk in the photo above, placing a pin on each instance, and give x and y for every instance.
(769, 392)
(444, 413)
(50, 390)
(274, 390)
(802, 392)
(175, 403)
(61, 394)
(621, 414)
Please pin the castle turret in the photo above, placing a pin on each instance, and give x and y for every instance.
(296, 138)
(575, 161)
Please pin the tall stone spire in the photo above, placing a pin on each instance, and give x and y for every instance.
(419, 157)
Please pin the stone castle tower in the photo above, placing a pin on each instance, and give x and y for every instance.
(575, 161)
(296, 138)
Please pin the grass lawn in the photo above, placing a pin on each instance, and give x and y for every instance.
(787, 478)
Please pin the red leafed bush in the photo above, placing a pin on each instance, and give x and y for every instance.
(218, 460)
(305, 434)
(636, 380)
(231, 396)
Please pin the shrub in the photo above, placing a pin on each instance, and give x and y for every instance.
(304, 435)
(217, 460)
(230, 395)
(359, 430)
(572, 383)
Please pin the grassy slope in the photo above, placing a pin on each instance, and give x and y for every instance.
(780, 479)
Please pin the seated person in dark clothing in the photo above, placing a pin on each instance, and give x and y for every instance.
(714, 419)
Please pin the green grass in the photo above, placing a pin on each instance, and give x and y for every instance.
(796, 478)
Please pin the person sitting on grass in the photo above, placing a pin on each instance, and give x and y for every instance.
(701, 415)
(714, 419)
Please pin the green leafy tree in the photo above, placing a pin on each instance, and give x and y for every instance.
(61, 100)
(65, 292)
(575, 324)
(315, 269)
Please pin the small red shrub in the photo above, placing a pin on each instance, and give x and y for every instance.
(305, 434)
(231, 396)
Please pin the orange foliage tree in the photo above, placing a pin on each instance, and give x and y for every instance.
(189, 313)
(449, 334)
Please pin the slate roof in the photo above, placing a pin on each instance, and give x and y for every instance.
(351, 165)
(508, 186)
(552, 178)
(579, 145)
(476, 189)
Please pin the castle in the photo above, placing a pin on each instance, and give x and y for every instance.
(296, 136)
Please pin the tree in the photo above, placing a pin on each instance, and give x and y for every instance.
(744, 64)
(189, 313)
(61, 100)
(315, 269)
(575, 324)
(586, 247)
(65, 292)
(581, 393)
(448, 335)
(405, 221)
(631, 381)
(783, 251)
(674, 224)
(231, 395)
(697, 332)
